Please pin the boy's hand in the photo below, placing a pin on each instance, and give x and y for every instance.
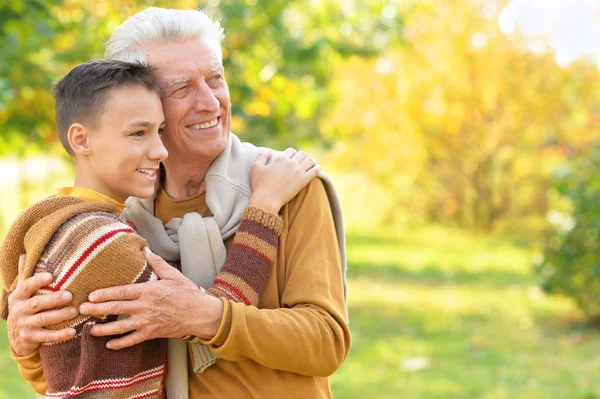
(27, 315)
(273, 185)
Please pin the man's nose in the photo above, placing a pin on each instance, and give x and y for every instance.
(205, 99)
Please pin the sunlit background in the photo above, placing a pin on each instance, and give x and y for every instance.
(463, 136)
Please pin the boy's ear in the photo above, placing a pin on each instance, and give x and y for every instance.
(78, 139)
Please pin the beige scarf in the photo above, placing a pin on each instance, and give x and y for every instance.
(198, 242)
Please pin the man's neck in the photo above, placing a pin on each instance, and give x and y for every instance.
(184, 180)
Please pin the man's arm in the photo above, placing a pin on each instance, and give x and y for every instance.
(308, 335)
(242, 279)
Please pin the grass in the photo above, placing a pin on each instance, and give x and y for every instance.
(440, 313)
(435, 312)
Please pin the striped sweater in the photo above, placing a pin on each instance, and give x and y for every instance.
(87, 246)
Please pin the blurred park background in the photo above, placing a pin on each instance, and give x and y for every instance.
(463, 136)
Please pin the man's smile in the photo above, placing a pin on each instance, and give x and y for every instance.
(206, 125)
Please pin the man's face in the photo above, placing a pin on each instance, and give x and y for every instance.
(195, 99)
(125, 145)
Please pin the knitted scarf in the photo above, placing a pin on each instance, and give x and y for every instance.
(198, 242)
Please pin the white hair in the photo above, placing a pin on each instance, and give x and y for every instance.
(131, 39)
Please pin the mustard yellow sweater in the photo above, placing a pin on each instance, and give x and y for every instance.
(298, 336)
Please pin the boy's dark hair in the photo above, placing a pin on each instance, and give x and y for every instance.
(80, 95)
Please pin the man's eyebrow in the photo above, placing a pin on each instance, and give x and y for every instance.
(177, 81)
(187, 79)
(216, 67)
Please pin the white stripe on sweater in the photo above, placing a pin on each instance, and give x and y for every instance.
(112, 383)
(84, 244)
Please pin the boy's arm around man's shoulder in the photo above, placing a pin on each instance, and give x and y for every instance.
(308, 334)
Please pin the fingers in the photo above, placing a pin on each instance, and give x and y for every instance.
(289, 152)
(308, 163)
(43, 335)
(263, 157)
(128, 340)
(27, 287)
(299, 156)
(162, 269)
(114, 328)
(110, 307)
(313, 172)
(119, 293)
(40, 303)
(51, 317)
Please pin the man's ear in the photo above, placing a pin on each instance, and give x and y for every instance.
(79, 139)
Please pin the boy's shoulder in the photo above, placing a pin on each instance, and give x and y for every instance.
(52, 212)
(36, 226)
(93, 234)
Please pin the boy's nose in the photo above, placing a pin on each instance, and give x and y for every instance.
(158, 151)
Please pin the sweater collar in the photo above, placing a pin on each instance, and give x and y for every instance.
(88, 195)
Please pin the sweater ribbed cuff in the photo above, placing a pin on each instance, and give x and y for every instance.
(268, 219)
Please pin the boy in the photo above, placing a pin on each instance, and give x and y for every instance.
(109, 119)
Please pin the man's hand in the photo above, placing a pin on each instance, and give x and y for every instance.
(275, 184)
(27, 315)
(171, 307)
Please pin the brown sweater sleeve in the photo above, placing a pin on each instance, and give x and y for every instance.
(248, 265)
(308, 333)
(88, 252)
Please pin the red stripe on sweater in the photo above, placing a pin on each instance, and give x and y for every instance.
(105, 385)
(234, 289)
(82, 258)
(256, 251)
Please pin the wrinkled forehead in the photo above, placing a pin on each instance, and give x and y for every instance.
(178, 61)
(174, 78)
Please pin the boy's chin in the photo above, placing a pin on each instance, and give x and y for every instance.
(144, 194)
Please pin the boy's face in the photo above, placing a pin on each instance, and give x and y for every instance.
(125, 148)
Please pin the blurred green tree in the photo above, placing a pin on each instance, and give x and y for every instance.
(571, 253)
(279, 58)
(463, 124)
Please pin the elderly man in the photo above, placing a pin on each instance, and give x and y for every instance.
(298, 335)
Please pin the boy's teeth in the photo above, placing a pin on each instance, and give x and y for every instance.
(149, 172)
(205, 125)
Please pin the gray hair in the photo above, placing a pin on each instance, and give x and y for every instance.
(130, 40)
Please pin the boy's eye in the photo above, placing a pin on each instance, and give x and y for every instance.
(141, 133)
(161, 130)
